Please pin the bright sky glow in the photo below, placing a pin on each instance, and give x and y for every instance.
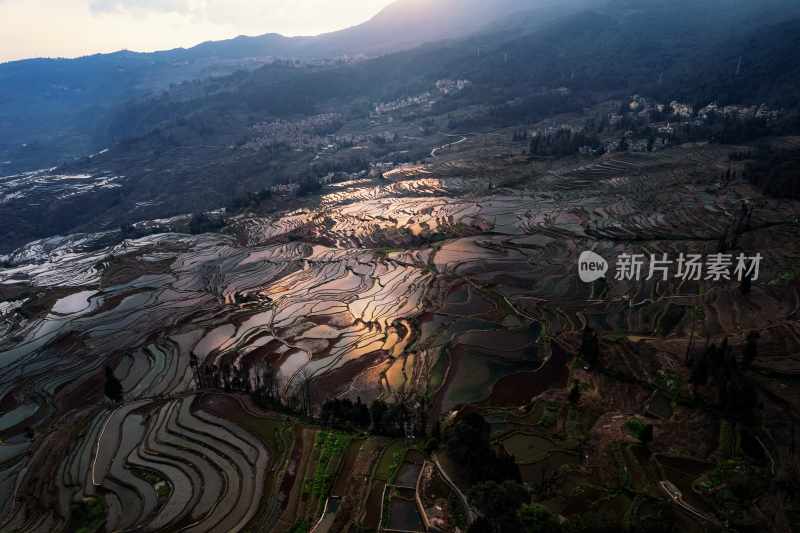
(70, 28)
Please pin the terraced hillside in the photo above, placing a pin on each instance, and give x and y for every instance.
(437, 287)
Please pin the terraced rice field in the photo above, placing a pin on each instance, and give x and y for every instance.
(401, 512)
(422, 284)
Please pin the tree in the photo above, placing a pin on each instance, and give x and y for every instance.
(336, 412)
(640, 430)
(575, 393)
(129, 231)
(345, 413)
(377, 411)
(390, 420)
(309, 186)
(361, 416)
(480, 525)
(660, 518)
(300, 400)
(746, 285)
(467, 440)
(699, 371)
(203, 223)
(265, 392)
(500, 502)
(420, 417)
(549, 480)
(435, 440)
(712, 358)
(535, 518)
(590, 522)
(431, 446)
(467, 443)
(740, 395)
(437, 431)
(600, 288)
(504, 467)
(646, 435)
(562, 142)
(750, 349)
(113, 387)
(590, 346)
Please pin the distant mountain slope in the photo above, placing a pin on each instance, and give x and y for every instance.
(756, 67)
(670, 47)
(50, 108)
(402, 25)
(656, 48)
(407, 23)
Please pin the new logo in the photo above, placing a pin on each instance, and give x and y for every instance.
(591, 267)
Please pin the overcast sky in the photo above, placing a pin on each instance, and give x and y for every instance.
(70, 28)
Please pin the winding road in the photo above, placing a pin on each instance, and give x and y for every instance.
(433, 152)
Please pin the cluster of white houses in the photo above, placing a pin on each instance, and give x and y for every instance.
(424, 100)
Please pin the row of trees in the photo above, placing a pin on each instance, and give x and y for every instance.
(468, 443)
(497, 490)
(520, 135)
(251, 200)
(775, 171)
(717, 367)
(562, 142)
(204, 223)
(401, 419)
(326, 166)
(309, 186)
(502, 112)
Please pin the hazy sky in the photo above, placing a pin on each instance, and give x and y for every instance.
(69, 28)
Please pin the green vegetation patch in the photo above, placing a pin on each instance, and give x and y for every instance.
(650, 514)
(439, 370)
(527, 448)
(330, 448)
(785, 278)
(639, 430)
(273, 432)
(300, 527)
(550, 414)
(393, 456)
(730, 442)
(672, 383)
(88, 516)
(160, 484)
(575, 426)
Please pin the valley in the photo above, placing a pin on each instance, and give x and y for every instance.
(466, 267)
(436, 287)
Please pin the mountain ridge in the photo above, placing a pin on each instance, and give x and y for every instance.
(48, 105)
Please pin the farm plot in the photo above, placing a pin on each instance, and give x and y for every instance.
(436, 287)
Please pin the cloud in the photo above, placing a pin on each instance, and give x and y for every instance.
(70, 28)
(156, 6)
(164, 6)
(291, 17)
